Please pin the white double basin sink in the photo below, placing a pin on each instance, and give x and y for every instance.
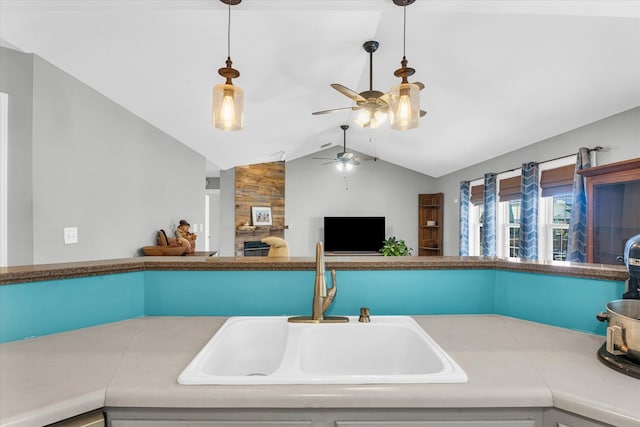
(270, 350)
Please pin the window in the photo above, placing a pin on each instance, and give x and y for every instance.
(555, 210)
(508, 215)
(475, 229)
(510, 244)
(476, 211)
(559, 208)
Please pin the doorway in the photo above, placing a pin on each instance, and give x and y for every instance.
(4, 174)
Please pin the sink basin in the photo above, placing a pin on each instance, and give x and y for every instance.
(270, 350)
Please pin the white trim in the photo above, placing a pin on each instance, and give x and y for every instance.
(206, 221)
(4, 176)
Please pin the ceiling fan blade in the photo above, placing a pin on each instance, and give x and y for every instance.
(336, 109)
(328, 163)
(420, 85)
(364, 159)
(323, 158)
(348, 92)
(423, 113)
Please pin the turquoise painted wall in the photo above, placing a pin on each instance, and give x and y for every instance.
(272, 293)
(41, 308)
(568, 302)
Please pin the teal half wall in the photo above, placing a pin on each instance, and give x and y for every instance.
(568, 302)
(41, 308)
(278, 293)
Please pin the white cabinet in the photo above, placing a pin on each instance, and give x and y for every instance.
(558, 418)
(331, 417)
(178, 423)
(467, 423)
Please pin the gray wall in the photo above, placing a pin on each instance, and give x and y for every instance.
(619, 134)
(98, 167)
(16, 79)
(313, 191)
(227, 212)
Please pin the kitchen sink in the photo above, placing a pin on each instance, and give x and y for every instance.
(270, 350)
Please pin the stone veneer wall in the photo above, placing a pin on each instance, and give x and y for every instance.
(259, 185)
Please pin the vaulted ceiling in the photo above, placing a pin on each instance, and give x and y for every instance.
(499, 75)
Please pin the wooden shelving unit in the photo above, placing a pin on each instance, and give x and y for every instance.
(430, 217)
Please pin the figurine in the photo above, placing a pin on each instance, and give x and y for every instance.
(185, 238)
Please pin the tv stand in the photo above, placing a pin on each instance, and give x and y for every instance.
(352, 253)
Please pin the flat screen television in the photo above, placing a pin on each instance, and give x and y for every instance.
(353, 234)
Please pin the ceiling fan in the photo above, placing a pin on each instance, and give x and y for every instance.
(345, 160)
(372, 104)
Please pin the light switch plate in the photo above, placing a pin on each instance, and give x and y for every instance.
(70, 235)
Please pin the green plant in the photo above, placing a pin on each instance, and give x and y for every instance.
(395, 247)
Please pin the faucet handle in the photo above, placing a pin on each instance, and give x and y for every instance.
(364, 315)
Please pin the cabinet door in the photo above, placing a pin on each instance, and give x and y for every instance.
(613, 203)
(469, 423)
(177, 423)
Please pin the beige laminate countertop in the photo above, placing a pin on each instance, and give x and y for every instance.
(135, 363)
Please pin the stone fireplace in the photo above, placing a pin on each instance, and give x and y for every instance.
(260, 185)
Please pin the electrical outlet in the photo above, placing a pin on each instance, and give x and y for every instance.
(70, 235)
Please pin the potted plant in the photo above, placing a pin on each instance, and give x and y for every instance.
(395, 247)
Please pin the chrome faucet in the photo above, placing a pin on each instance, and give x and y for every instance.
(322, 296)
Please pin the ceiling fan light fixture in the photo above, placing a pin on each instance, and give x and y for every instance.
(371, 116)
(363, 118)
(228, 99)
(344, 166)
(380, 117)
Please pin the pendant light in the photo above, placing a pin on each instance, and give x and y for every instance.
(404, 109)
(228, 98)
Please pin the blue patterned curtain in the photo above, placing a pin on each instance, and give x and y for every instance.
(529, 211)
(489, 217)
(465, 196)
(577, 245)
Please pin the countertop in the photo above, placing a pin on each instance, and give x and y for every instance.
(135, 363)
(40, 272)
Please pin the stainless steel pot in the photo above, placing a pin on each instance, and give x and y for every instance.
(623, 329)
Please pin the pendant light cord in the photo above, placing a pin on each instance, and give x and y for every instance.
(404, 31)
(229, 32)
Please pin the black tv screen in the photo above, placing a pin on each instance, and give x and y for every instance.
(356, 234)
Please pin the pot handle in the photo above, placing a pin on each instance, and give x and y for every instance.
(602, 316)
(615, 343)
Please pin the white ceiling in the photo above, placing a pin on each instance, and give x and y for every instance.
(499, 75)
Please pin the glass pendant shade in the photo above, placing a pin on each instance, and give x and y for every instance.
(405, 106)
(340, 166)
(228, 103)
